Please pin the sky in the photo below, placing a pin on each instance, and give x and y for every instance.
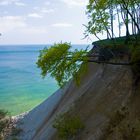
(42, 21)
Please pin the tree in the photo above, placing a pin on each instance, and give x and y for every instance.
(62, 63)
(101, 14)
(98, 18)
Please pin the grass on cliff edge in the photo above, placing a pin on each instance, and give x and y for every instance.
(119, 42)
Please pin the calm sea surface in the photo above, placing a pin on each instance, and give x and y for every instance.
(21, 85)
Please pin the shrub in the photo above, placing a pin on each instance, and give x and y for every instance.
(130, 130)
(4, 123)
(68, 126)
(122, 127)
(3, 114)
(8, 130)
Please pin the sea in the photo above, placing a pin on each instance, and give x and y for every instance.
(21, 85)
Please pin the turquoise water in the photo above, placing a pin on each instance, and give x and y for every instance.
(21, 86)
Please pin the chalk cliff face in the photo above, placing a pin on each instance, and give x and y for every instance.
(103, 90)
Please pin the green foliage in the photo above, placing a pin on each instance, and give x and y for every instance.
(98, 17)
(3, 120)
(115, 120)
(122, 126)
(7, 128)
(4, 123)
(3, 114)
(62, 63)
(102, 13)
(68, 126)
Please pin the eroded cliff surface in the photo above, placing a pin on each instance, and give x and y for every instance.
(104, 89)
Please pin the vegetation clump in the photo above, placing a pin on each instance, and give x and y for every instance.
(68, 126)
(8, 130)
(4, 123)
(122, 127)
(62, 63)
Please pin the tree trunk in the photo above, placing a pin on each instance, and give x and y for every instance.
(130, 14)
(119, 21)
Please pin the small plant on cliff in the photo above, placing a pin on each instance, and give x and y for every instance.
(130, 130)
(3, 114)
(68, 126)
(122, 127)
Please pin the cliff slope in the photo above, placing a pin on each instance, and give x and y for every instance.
(104, 89)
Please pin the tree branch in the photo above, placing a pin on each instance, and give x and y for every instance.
(106, 62)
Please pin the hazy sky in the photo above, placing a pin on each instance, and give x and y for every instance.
(42, 21)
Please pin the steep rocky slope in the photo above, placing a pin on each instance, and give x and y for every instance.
(104, 89)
